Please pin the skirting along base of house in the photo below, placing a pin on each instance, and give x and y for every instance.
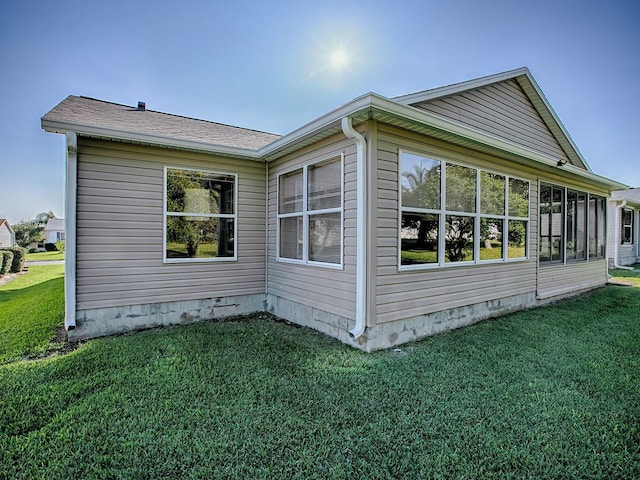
(100, 322)
(108, 321)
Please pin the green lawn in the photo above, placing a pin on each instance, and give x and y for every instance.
(547, 393)
(31, 307)
(627, 276)
(42, 256)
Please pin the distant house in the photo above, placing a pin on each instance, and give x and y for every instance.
(380, 222)
(7, 236)
(623, 246)
(54, 230)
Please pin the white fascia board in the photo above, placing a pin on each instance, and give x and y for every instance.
(57, 126)
(373, 103)
(555, 117)
(334, 117)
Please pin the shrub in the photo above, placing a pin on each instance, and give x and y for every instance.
(6, 259)
(60, 245)
(50, 247)
(19, 256)
(33, 250)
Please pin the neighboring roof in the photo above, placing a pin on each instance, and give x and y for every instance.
(532, 90)
(88, 115)
(55, 224)
(631, 195)
(4, 221)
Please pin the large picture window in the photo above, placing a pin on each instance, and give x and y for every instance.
(200, 215)
(572, 225)
(310, 214)
(454, 214)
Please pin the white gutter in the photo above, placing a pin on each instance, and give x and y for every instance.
(361, 238)
(71, 188)
(617, 236)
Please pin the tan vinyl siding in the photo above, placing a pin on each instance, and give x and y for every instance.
(120, 229)
(501, 109)
(328, 289)
(564, 279)
(403, 294)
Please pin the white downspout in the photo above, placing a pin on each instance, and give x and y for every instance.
(71, 188)
(361, 238)
(617, 236)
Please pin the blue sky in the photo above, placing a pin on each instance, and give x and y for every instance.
(268, 66)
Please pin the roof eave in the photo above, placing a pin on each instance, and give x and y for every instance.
(374, 106)
(60, 126)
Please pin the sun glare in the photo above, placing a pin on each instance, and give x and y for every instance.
(338, 59)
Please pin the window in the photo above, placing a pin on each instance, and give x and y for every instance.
(597, 226)
(453, 214)
(200, 215)
(310, 214)
(567, 219)
(576, 225)
(627, 226)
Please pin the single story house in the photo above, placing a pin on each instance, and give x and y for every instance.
(54, 230)
(7, 235)
(623, 247)
(381, 222)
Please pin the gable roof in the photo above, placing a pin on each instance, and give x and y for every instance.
(104, 119)
(55, 224)
(264, 147)
(4, 221)
(530, 88)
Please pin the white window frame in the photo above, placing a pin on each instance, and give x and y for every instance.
(477, 216)
(306, 213)
(233, 216)
(631, 226)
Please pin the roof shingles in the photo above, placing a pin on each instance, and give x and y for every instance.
(89, 112)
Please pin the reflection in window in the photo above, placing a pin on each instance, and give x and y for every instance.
(491, 230)
(458, 242)
(461, 188)
(310, 213)
(420, 182)
(200, 215)
(419, 239)
(470, 225)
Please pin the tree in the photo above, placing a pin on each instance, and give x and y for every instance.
(43, 217)
(32, 231)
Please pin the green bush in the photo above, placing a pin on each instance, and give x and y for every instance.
(50, 247)
(6, 259)
(60, 245)
(19, 256)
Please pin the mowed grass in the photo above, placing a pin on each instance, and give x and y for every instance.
(44, 256)
(631, 277)
(31, 307)
(552, 392)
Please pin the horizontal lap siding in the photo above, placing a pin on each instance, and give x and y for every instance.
(327, 289)
(120, 229)
(404, 294)
(501, 109)
(563, 279)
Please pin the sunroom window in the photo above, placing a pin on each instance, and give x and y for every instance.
(455, 214)
(200, 215)
(310, 214)
(572, 225)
